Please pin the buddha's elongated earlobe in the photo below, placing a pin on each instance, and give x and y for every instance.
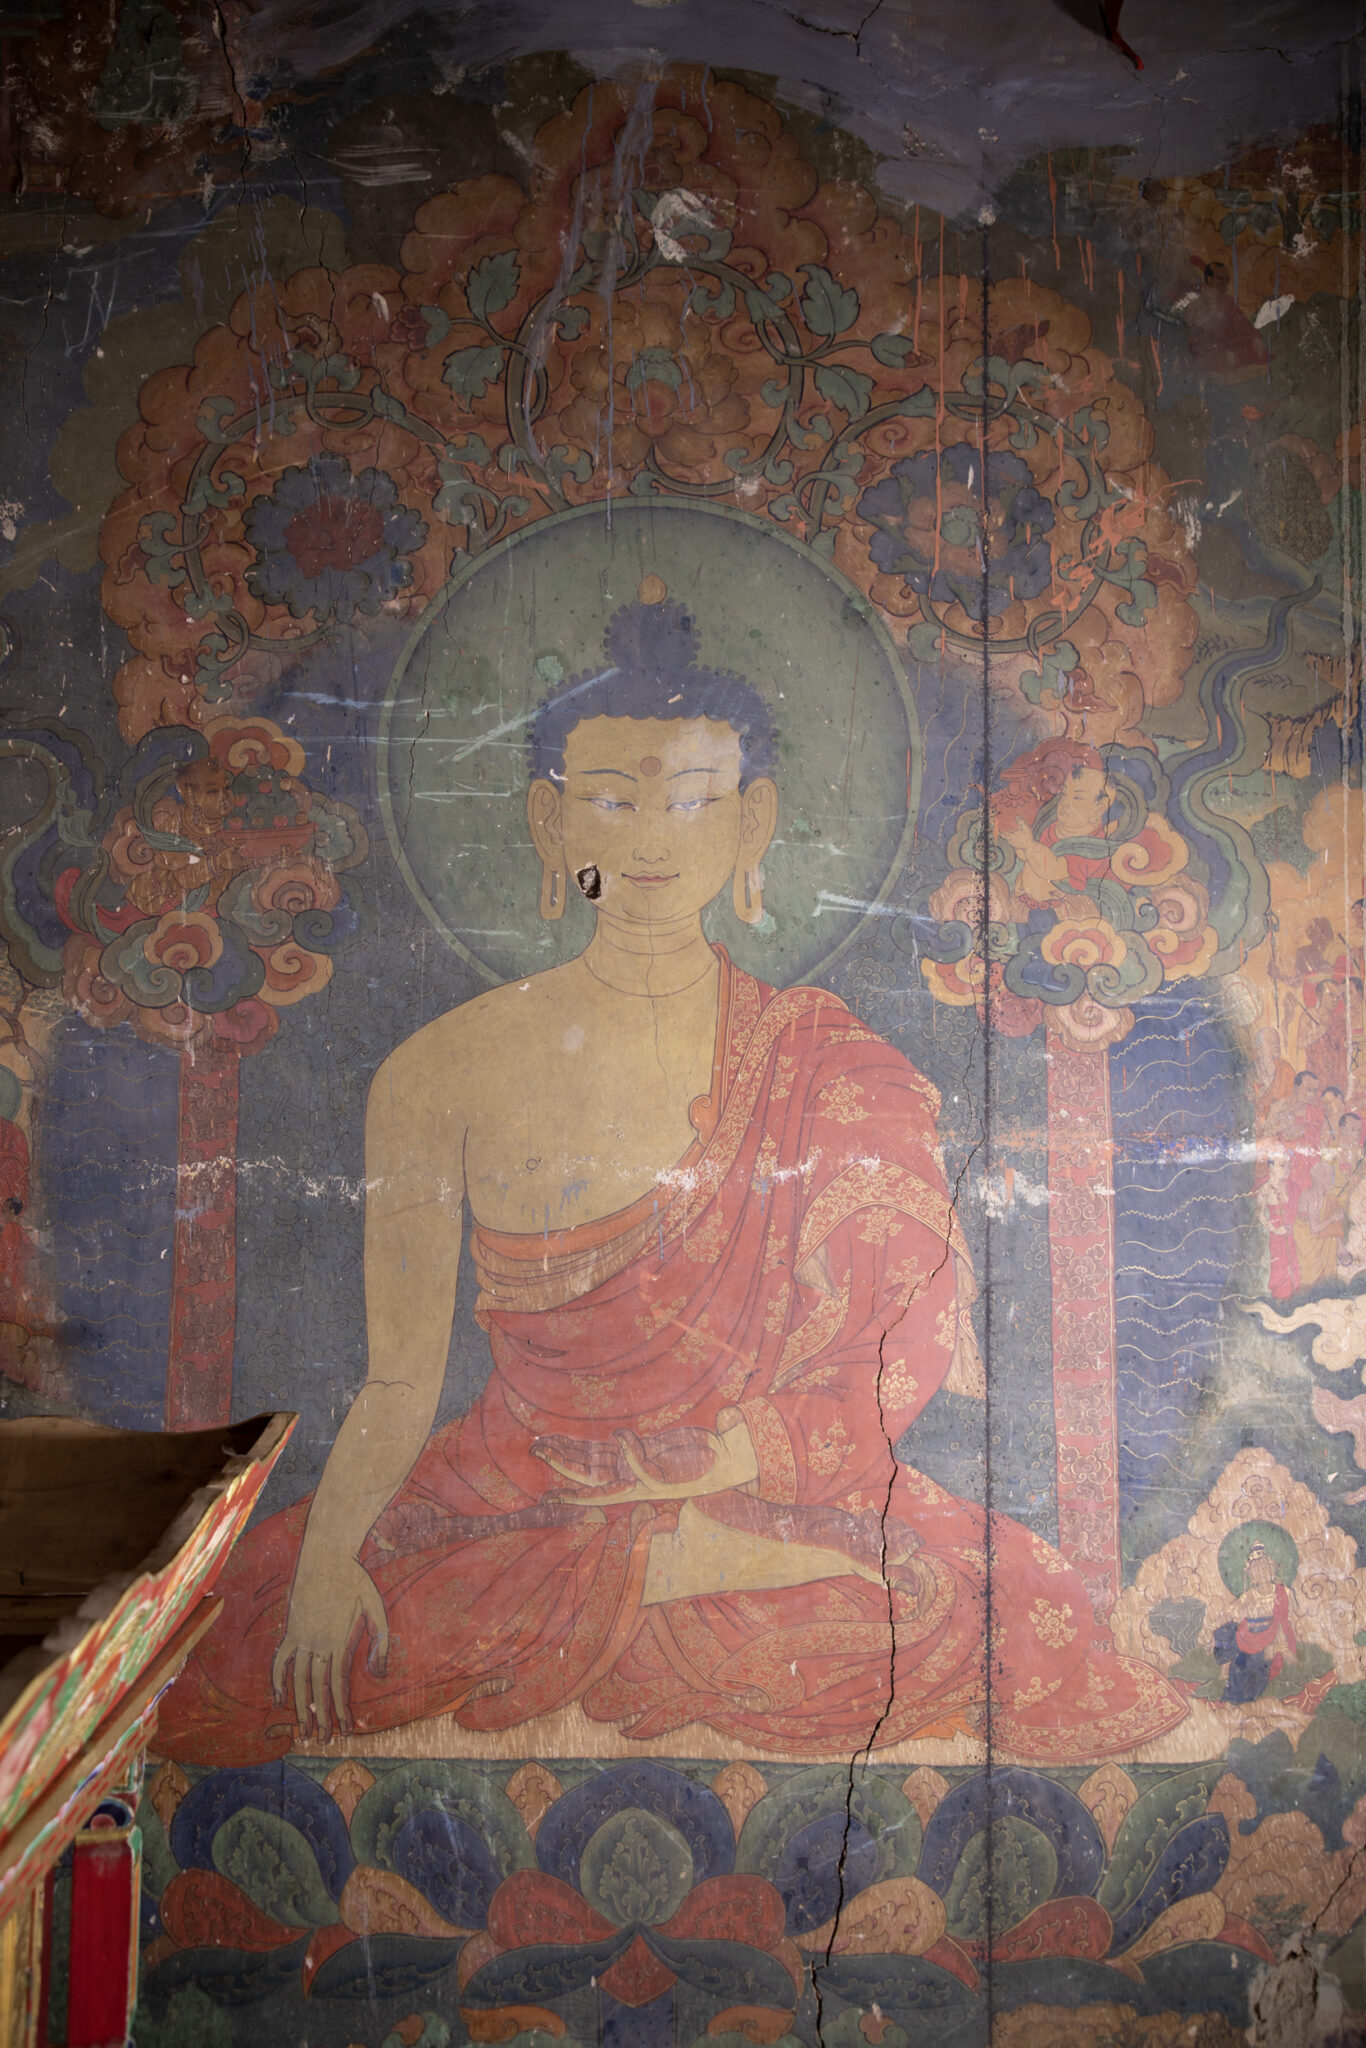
(543, 816)
(759, 809)
(552, 892)
(747, 895)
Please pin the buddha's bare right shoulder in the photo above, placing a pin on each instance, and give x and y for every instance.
(470, 1048)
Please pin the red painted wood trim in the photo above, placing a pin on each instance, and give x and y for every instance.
(102, 1974)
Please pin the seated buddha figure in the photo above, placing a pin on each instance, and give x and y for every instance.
(721, 1276)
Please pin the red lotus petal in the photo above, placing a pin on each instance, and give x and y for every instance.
(736, 1908)
(530, 1908)
(1239, 1934)
(478, 1950)
(1059, 1927)
(638, 1976)
(951, 1956)
(325, 1943)
(203, 1909)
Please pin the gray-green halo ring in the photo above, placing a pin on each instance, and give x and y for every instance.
(532, 609)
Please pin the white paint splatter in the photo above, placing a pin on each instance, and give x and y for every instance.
(1001, 1193)
(678, 206)
(1272, 310)
(1187, 511)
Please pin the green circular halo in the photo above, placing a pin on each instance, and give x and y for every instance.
(1240, 1542)
(513, 622)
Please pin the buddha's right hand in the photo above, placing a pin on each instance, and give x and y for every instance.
(334, 1600)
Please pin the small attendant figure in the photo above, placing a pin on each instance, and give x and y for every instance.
(1253, 1643)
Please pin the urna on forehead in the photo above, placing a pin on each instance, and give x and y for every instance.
(652, 750)
(651, 671)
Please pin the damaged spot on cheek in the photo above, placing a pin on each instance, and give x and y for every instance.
(590, 881)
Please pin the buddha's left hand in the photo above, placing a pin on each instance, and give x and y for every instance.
(677, 1465)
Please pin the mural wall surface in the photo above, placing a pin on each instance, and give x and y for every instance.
(684, 851)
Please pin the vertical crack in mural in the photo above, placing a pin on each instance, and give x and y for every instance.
(862, 1755)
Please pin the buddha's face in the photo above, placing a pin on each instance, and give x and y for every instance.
(651, 821)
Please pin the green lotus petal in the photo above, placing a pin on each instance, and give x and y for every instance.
(266, 1857)
(1023, 1873)
(881, 1807)
(396, 1795)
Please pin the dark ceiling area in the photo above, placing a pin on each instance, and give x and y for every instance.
(948, 97)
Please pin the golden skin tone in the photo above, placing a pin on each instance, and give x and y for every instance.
(545, 1103)
(1082, 803)
(1261, 1570)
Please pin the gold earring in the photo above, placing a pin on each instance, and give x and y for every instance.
(747, 896)
(552, 892)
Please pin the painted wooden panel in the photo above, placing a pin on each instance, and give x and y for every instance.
(688, 860)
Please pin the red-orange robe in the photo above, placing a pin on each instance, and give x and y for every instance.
(801, 1264)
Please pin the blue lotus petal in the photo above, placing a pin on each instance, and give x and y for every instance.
(822, 1865)
(449, 1864)
(698, 1815)
(1057, 1813)
(275, 1788)
(1201, 1977)
(638, 2026)
(1193, 1861)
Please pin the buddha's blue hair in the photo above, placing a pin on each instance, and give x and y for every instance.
(652, 671)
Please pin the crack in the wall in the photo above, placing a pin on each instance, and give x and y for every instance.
(981, 1038)
(864, 1752)
(222, 29)
(844, 35)
(1348, 1877)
